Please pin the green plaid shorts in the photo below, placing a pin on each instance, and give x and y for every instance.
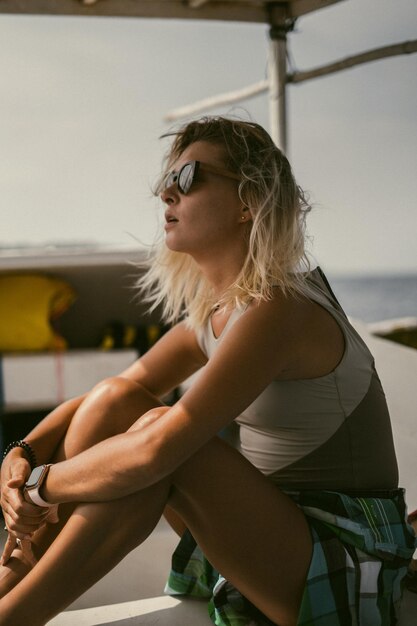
(361, 549)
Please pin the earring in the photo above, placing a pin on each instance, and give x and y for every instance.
(243, 218)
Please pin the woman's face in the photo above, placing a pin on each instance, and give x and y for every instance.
(209, 217)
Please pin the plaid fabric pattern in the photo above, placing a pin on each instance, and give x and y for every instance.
(361, 549)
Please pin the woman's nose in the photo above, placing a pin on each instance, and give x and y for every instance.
(170, 194)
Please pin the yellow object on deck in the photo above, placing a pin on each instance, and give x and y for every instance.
(28, 305)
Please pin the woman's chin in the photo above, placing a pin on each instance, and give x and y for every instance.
(173, 243)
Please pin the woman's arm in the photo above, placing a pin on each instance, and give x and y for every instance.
(169, 362)
(163, 368)
(44, 439)
(20, 517)
(277, 339)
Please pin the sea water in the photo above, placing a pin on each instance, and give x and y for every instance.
(376, 298)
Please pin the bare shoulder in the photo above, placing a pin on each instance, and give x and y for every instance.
(307, 338)
(288, 311)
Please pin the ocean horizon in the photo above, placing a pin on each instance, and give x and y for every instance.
(373, 298)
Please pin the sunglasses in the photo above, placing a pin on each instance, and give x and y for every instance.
(187, 174)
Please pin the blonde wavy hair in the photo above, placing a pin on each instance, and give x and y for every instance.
(276, 243)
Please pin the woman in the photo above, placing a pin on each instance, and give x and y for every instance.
(284, 521)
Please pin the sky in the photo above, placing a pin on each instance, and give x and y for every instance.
(82, 106)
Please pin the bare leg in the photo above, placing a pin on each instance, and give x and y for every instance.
(96, 537)
(109, 409)
(251, 531)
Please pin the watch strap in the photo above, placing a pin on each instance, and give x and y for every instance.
(34, 495)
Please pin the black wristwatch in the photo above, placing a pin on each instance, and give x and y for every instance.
(34, 483)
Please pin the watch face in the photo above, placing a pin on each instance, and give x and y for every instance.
(35, 476)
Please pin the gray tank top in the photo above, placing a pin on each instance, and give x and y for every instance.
(332, 432)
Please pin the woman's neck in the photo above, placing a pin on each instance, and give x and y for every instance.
(221, 271)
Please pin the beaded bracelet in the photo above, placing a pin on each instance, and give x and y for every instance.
(26, 447)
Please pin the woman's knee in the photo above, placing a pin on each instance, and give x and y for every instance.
(111, 407)
(114, 389)
(121, 397)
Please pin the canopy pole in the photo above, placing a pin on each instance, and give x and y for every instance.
(277, 78)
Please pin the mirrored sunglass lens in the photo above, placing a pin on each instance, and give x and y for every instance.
(185, 178)
(170, 179)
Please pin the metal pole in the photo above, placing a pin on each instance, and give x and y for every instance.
(277, 76)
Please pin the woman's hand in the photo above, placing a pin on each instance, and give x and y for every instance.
(21, 518)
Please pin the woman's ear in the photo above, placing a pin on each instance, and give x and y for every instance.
(245, 215)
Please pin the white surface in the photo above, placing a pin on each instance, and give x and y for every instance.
(41, 380)
(53, 257)
(389, 326)
(159, 611)
(397, 368)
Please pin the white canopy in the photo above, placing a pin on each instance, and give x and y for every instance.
(279, 15)
(267, 11)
